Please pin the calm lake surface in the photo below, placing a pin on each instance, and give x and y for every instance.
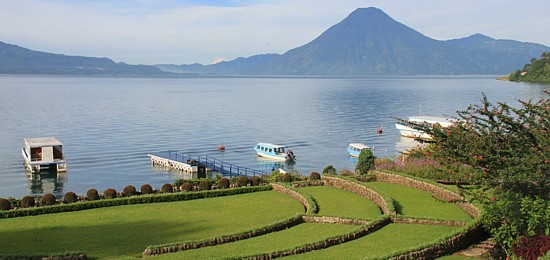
(109, 125)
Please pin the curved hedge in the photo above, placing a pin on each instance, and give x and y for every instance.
(152, 198)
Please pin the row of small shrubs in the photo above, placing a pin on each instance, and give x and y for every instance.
(151, 198)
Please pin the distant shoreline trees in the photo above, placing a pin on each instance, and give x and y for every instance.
(536, 71)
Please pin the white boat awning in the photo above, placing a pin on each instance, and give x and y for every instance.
(43, 141)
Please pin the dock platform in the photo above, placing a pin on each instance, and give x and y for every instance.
(192, 164)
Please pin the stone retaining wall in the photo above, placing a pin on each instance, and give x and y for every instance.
(297, 196)
(435, 190)
(358, 189)
(334, 220)
(448, 223)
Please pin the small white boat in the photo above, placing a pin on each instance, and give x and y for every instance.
(354, 149)
(273, 151)
(430, 120)
(44, 153)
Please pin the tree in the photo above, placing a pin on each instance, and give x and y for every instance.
(365, 161)
(510, 148)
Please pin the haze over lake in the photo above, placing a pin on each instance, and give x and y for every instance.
(108, 125)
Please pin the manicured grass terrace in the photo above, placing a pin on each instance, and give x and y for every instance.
(391, 238)
(286, 239)
(417, 203)
(123, 231)
(337, 202)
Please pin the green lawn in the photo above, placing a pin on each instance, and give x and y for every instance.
(417, 203)
(391, 238)
(286, 239)
(123, 231)
(337, 202)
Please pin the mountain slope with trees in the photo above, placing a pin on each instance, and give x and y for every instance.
(536, 71)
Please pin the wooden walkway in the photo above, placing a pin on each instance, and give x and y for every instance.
(191, 164)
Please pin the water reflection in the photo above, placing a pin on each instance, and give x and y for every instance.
(405, 144)
(269, 166)
(44, 183)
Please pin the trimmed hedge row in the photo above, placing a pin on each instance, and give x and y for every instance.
(187, 245)
(324, 243)
(151, 198)
(309, 203)
(63, 256)
(380, 198)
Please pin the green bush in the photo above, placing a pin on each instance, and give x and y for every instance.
(129, 191)
(315, 176)
(70, 197)
(256, 180)
(242, 181)
(276, 176)
(365, 162)
(48, 200)
(187, 186)
(329, 170)
(167, 188)
(109, 193)
(178, 182)
(205, 184)
(26, 202)
(286, 178)
(346, 172)
(4, 204)
(223, 183)
(146, 189)
(92, 194)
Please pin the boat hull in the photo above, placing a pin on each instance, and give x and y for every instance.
(273, 157)
(412, 133)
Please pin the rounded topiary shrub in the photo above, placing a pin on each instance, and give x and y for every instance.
(255, 180)
(92, 194)
(242, 181)
(187, 186)
(205, 184)
(146, 189)
(223, 183)
(329, 170)
(286, 178)
(70, 197)
(48, 200)
(178, 182)
(129, 191)
(109, 193)
(26, 202)
(5, 204)
(314, 176)
(167, 188)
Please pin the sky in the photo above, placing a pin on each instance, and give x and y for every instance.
(193, 31)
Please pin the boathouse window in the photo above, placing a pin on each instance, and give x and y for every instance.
(36, 154)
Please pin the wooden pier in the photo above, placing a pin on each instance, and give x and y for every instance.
(193, 164)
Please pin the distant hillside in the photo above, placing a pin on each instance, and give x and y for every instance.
(369, 42)
(536, 71)
(18, 60)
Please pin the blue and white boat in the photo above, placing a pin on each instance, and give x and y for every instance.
(354, 149)
(273, 151)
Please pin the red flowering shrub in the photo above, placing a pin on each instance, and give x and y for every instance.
(532, 247)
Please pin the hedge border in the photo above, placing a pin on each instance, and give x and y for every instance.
(324, 243)
(61, 256)
(142, 199)
(304, 198)
(187, 245)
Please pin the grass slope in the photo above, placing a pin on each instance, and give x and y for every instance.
(391, 238)
(417, 203)
(337, 202)
(123, 231)
(286, 239)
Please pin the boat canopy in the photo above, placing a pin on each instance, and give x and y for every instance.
(443, 121)
(271, 145)
(359, 146)
(42, 142)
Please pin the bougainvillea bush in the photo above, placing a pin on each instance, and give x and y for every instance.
(510, 148)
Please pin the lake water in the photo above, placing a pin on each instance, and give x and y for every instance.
(108, 125)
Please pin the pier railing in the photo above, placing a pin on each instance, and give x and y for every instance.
(216, 165)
